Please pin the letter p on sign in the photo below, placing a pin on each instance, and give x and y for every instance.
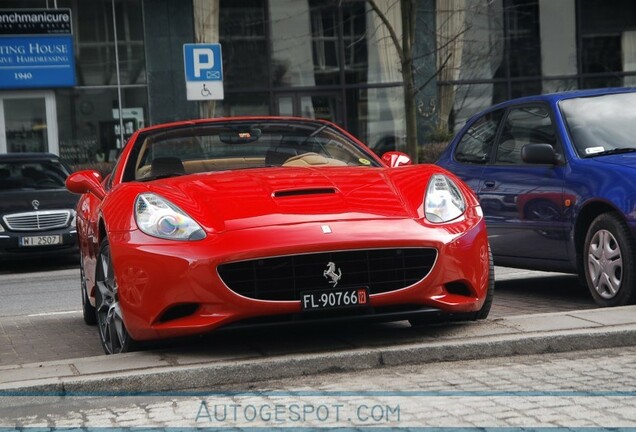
(203, 59)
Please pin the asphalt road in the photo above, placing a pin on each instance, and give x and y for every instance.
(40, 311)
(43, 292)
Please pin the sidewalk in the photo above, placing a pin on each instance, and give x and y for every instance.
(225, 360)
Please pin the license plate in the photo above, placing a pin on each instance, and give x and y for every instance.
(47, 240)
(333, 299)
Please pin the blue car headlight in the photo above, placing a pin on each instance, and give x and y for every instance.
(158, 217)
(443, 201)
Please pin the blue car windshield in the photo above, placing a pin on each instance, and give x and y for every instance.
(601, 125)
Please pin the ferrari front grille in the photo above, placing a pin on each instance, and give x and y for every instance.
(284, 278)
(38, 220)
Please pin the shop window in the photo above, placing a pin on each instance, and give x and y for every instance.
(242, 104)
(242, 30)
(324, 41)
(89, 127)
(378, 115)
(524, 39)
(95, 44)
(498, 44)
(608, 42)
(601, 54)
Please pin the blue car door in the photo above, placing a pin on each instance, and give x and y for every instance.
(526, 212)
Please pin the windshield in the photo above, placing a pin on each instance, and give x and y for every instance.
(243, 145)
(32, 174)
(601, 124)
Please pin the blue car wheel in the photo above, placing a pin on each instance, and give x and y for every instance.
(609, 261)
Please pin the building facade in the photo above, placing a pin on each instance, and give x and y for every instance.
(331, 59)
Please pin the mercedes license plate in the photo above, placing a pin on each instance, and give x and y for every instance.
(334, 298)
(43, 240)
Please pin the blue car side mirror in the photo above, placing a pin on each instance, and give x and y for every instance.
(542, 154)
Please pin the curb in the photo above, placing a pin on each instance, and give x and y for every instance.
(209, 375)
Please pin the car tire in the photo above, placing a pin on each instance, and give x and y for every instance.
(490, 294)
(88, 310)
(112, 330)
(609, 258)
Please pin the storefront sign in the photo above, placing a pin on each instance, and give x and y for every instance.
(36, 49)
(203, 71)
(35, 21)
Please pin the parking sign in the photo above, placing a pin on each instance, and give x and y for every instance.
(203, 71)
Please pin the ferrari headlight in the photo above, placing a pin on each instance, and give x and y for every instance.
(444, 201)
(158, 217)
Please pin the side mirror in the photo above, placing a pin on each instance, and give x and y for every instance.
(87, 181)
(542, 154)
(395, 159)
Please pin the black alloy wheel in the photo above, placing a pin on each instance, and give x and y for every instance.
(112, 330)
(88, 310)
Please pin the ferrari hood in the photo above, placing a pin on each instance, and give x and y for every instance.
(265, 197)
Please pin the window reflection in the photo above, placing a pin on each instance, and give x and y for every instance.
(95, 44)
(25, 124)
(379, 118)
(317, 42)
(89, 126)
(242, 27)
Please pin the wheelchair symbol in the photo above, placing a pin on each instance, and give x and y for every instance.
(205, 91)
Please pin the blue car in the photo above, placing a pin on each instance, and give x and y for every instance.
(556, 177)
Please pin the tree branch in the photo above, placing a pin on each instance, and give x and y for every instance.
(389, 28)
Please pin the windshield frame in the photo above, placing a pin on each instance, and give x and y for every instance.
(260, 136)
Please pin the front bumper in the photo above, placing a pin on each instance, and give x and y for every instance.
(10, 246)
(172, 289)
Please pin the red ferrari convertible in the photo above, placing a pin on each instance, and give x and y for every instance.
(265, 220)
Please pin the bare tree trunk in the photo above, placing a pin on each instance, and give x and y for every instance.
(410, 114)
(409, 12)
(404, 49)
(206, 29)
(450, 24)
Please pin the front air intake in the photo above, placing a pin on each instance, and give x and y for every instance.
(284, 278)
(178, 311)
(299, 192)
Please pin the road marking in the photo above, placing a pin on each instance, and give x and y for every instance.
(54, 313)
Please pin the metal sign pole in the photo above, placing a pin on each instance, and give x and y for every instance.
(121, 119)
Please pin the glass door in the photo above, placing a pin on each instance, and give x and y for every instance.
(28, 122)
(326, 106)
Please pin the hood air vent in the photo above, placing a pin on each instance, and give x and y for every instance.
(299, 192)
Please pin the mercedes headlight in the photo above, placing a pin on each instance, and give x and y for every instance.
(73, 223)
(158, 217)
(444, 201)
